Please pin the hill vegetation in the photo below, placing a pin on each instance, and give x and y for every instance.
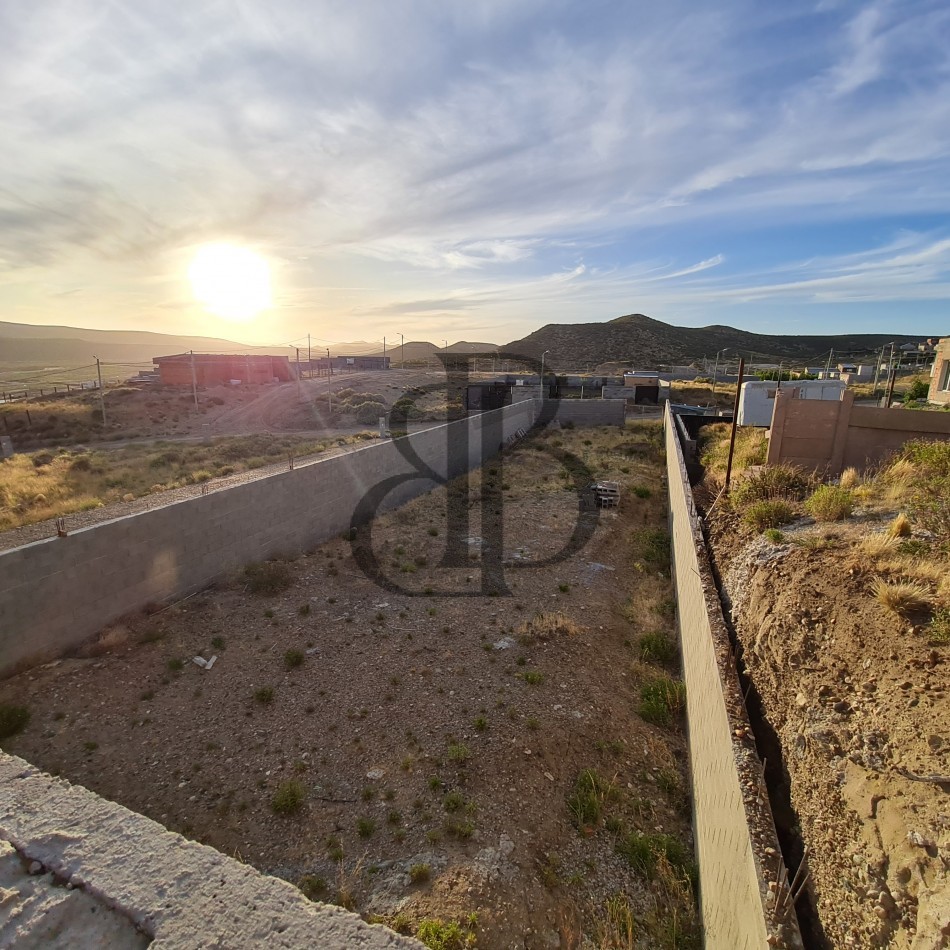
(641, 341)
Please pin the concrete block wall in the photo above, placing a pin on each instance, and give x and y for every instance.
(586, 412)
(731, 829)
(57, 592)
(151, 887)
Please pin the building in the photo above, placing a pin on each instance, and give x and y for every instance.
(645, 385)
(347, 364)
(940, 374)
(221, 369)
(485, 396)
(757, 399)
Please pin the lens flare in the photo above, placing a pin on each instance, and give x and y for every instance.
(230, 282)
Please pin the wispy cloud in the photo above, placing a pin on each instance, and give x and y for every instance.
(504, 145)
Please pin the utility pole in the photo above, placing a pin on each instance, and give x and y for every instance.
(831, 353)
(297, 348)
(329, 365)
(735, 424)
(102, 398)
(384, 352)
(309, 359)
(194, 380)
(541, 387)
(877, 371)
(402, 351)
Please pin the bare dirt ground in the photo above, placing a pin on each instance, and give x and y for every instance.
(857, 695)
(510, 767)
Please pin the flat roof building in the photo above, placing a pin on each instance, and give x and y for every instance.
(220, 369)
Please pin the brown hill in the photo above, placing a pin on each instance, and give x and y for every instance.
(641, 341)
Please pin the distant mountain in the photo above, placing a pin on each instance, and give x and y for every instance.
(422, 350)
(640, 341)
(50, 346)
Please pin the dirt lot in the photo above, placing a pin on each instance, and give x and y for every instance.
(845, 629)
(499, 770)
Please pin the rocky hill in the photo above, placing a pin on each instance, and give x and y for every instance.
(641, 341)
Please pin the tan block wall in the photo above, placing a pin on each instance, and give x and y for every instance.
(732, 891)
(942, 358)
(831, 436)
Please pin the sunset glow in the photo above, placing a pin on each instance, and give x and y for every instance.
(231, 282)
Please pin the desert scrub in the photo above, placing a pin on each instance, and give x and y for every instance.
(438, 934)
(751, 448)
(830, 503)
(774, 482)
(13, 719)
(901, 598)
(293, 659)
(288, 798)
(312, 887)
(587, 799)
(661, 699)
(657, 647)
(938, 630)
(644, 852)
(268, 577)
(420, 873)
(365, 827)
(774, 535)
(768, 514)
(264, 695)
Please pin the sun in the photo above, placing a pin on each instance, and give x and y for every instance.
(231, 282)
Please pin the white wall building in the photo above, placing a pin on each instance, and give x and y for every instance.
(758, 397)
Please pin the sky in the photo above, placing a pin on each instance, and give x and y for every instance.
(475, 170)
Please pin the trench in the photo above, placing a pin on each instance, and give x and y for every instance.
(777, 780)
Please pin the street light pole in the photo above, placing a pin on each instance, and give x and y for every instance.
(716, 370)
(541, 388)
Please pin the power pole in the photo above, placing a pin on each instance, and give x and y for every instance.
(309, 358)
(194, 380)
(402, 351)
(329, 365)
(877, 371)
(384, 352)
(298, 371)
(831, 353)
(102, 398)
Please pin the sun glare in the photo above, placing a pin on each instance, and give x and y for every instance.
(231, 282)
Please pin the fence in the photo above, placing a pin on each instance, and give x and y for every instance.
(831, 436)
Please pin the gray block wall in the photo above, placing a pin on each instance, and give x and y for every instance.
(56, 593)
(587, 412)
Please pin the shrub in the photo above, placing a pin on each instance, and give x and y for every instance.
(268, 578)
(657, 647)
(436, 934)
(13, 719)
(849, 478)
(365, 827)
(293, 659)
(918, 389)
(288, 798)
(660, 699)
(783, 482)
(900, 526)
(586, 801)
(264, 695)
(939, 628)
(41, 459)
(312, 887)
(774, 535)
(642, 852)
(458, 753)
(768, 514)
(830, 503)
(420, 873)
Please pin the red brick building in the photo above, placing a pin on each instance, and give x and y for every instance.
(216, 369)
(940, 380)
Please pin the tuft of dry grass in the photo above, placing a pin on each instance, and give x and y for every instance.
(546, 626)
(850, 478)
(830, 503)
(877, 545)
(900, 526)
(901, 598)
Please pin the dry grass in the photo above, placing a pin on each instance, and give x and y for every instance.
(830, 503)
(877, 545)
(547, 626)
(901, 598)
(900, 526)
(751, 448)
(850, 478)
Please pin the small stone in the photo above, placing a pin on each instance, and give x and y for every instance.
(549, 776)
(36, 867)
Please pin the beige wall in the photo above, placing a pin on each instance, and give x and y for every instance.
(940, 381)
(734, 869)
(831, 436)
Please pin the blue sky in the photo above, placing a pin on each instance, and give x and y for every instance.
(476, 170)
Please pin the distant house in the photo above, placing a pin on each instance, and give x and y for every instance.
(348, 364)
(217, 369)
(940, 374)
